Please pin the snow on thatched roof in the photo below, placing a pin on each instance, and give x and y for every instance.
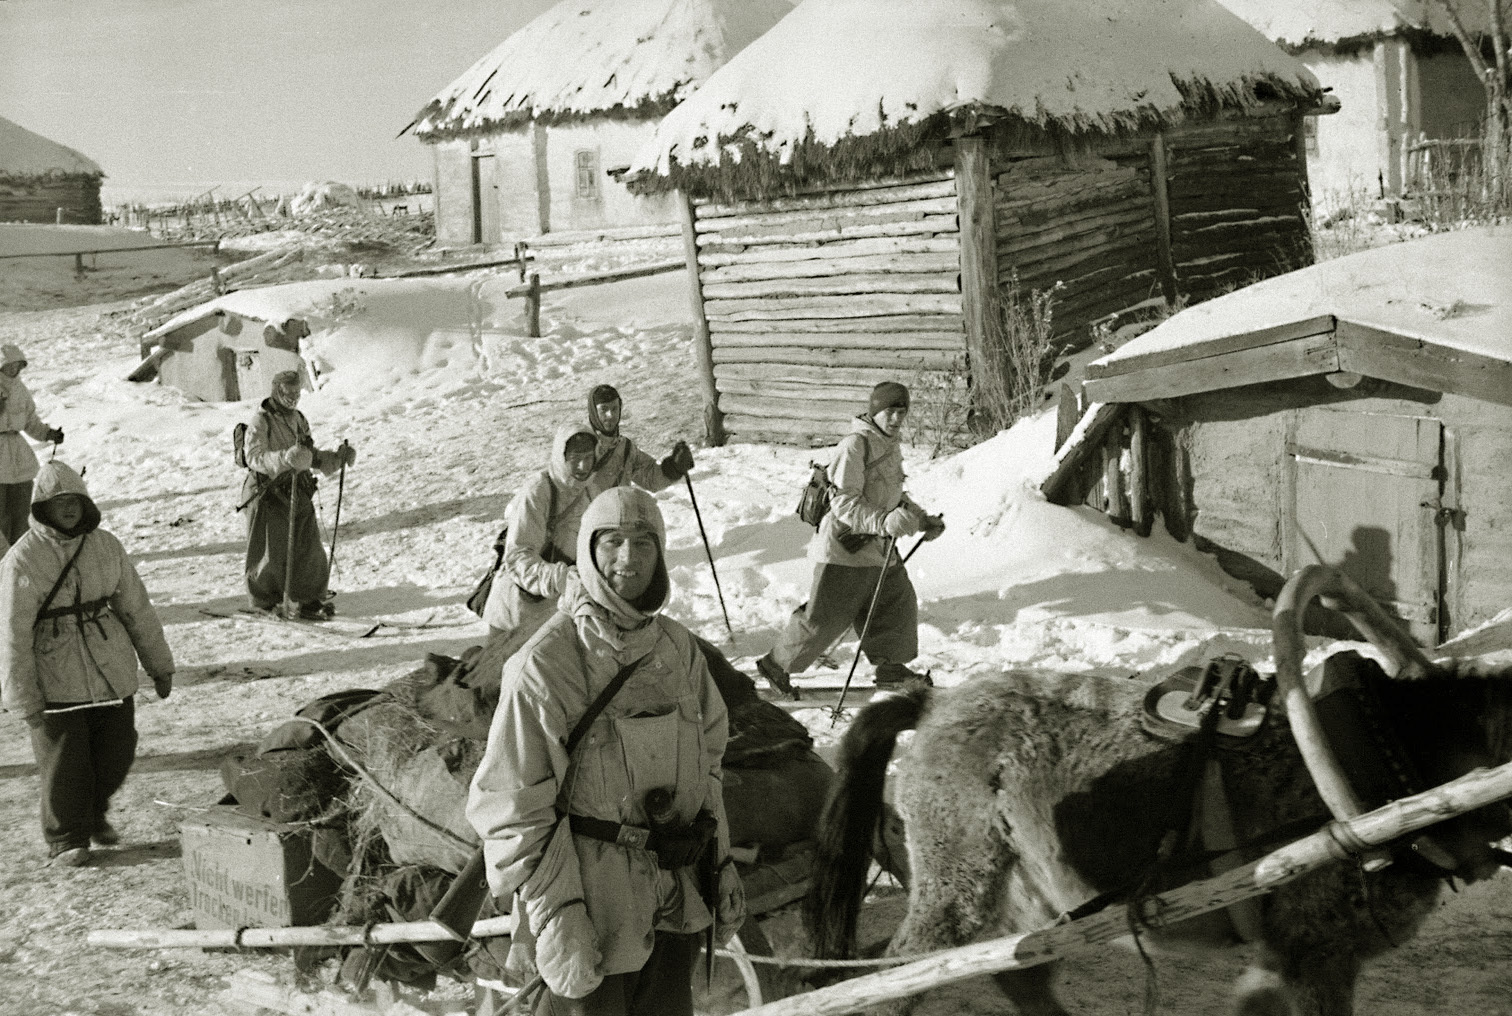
(1447, 289)
(26, 154)
(857, 83)
(1304, 24)
(586, 57)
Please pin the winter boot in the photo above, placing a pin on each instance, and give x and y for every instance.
(897, 676)
(317, 610)
(70, 857)
(775, 675)
(105, 835)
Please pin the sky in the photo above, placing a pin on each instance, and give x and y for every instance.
(178, 95)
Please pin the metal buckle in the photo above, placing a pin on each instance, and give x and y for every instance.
(633, 836)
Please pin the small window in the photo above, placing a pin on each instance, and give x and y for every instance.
(1310, 135)
(587, 165)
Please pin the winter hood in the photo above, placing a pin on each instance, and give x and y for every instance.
(558, 465)
(623, 508)
(11, 353)
(58, 478)
(864, 425)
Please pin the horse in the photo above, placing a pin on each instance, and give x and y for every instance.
(1025, 795)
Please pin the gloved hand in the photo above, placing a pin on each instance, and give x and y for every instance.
(299, 457)
(520, 964)
(567, 952)
(900, 522)
(730, 908)
(163, 685)
(934, 525)
(346, 454)
(55, 435)
(679, 462)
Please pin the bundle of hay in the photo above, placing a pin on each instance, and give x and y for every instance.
(327, 194)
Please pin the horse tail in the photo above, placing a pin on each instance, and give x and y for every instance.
(850, 820)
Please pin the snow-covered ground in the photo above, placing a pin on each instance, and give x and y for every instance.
(448, 417)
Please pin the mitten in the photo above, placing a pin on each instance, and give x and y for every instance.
(567, 952)
(848, 538)
(520, 964)
(346, 454)
(164, 685)
(299, 457)
(55, 435)
(900, 522)
(730, 908)
(934, 525)
(679, 462)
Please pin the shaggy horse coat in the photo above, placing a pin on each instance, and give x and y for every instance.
(1026, 795)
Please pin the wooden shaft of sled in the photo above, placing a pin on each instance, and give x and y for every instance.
(1479, 788)
(270, 938)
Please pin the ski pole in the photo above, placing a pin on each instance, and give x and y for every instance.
(887, 553)
(836, 643)
(709, 553)
(336, 526)
(290, 608)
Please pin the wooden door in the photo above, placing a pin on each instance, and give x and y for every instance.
(1365, 492)
(485, 200)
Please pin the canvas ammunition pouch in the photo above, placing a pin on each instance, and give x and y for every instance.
(675, 847)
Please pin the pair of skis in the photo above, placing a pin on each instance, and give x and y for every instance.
(340, 627)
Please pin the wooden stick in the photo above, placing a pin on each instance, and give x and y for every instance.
(785, 253)
(598, 278)
(702, 345)
(867, 325)
(808, 268)
(834, 199)
(829, 213)
(981, 297)
(533, 306)
(953, 341)
(837, 285)
(892, 360)
(858, 305)
(878, 183)
(1016, 952)
(929, 225)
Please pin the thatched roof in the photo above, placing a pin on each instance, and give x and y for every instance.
(1325, 24)
(849, 88)
(24, 154)
(582, 58)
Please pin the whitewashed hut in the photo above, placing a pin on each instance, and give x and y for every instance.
(522, 140)
(1357, 411)
(43, 181)
(866, 179)
(1399, 74)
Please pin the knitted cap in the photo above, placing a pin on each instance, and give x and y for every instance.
(887, 395)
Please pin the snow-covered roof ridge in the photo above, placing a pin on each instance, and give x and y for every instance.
(860, 81)
(1449, 289)
(586, 57)
(1304, 24)
(24, 153)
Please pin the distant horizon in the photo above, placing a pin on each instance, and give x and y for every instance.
(173, 97)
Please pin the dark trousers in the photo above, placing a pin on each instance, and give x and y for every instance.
(268, 547)
(838, 600)
(663, 987)
(15, 509)
(83, 757)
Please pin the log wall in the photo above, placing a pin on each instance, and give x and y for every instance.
(813, 299)
(38, 199)
(1089, 226)
(1214, 468)
(1237, 197)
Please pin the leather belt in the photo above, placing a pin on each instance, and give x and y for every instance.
(610, 832)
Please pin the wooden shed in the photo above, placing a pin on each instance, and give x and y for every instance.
(862, 184)
(523, 139)
(43, 181)
(1398, 72)
(216, 354)
(1358, 411)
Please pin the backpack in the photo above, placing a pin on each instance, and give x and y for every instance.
(478, 599)
(239, 445)
(814, 501)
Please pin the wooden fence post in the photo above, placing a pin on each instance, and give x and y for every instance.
(981, 299)
(703, 346)
(533, 307)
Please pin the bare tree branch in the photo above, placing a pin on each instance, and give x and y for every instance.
(1467, 41)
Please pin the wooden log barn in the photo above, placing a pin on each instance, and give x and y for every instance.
(862, 185)
(522, 140)
(1357, 412)
(43, 181)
